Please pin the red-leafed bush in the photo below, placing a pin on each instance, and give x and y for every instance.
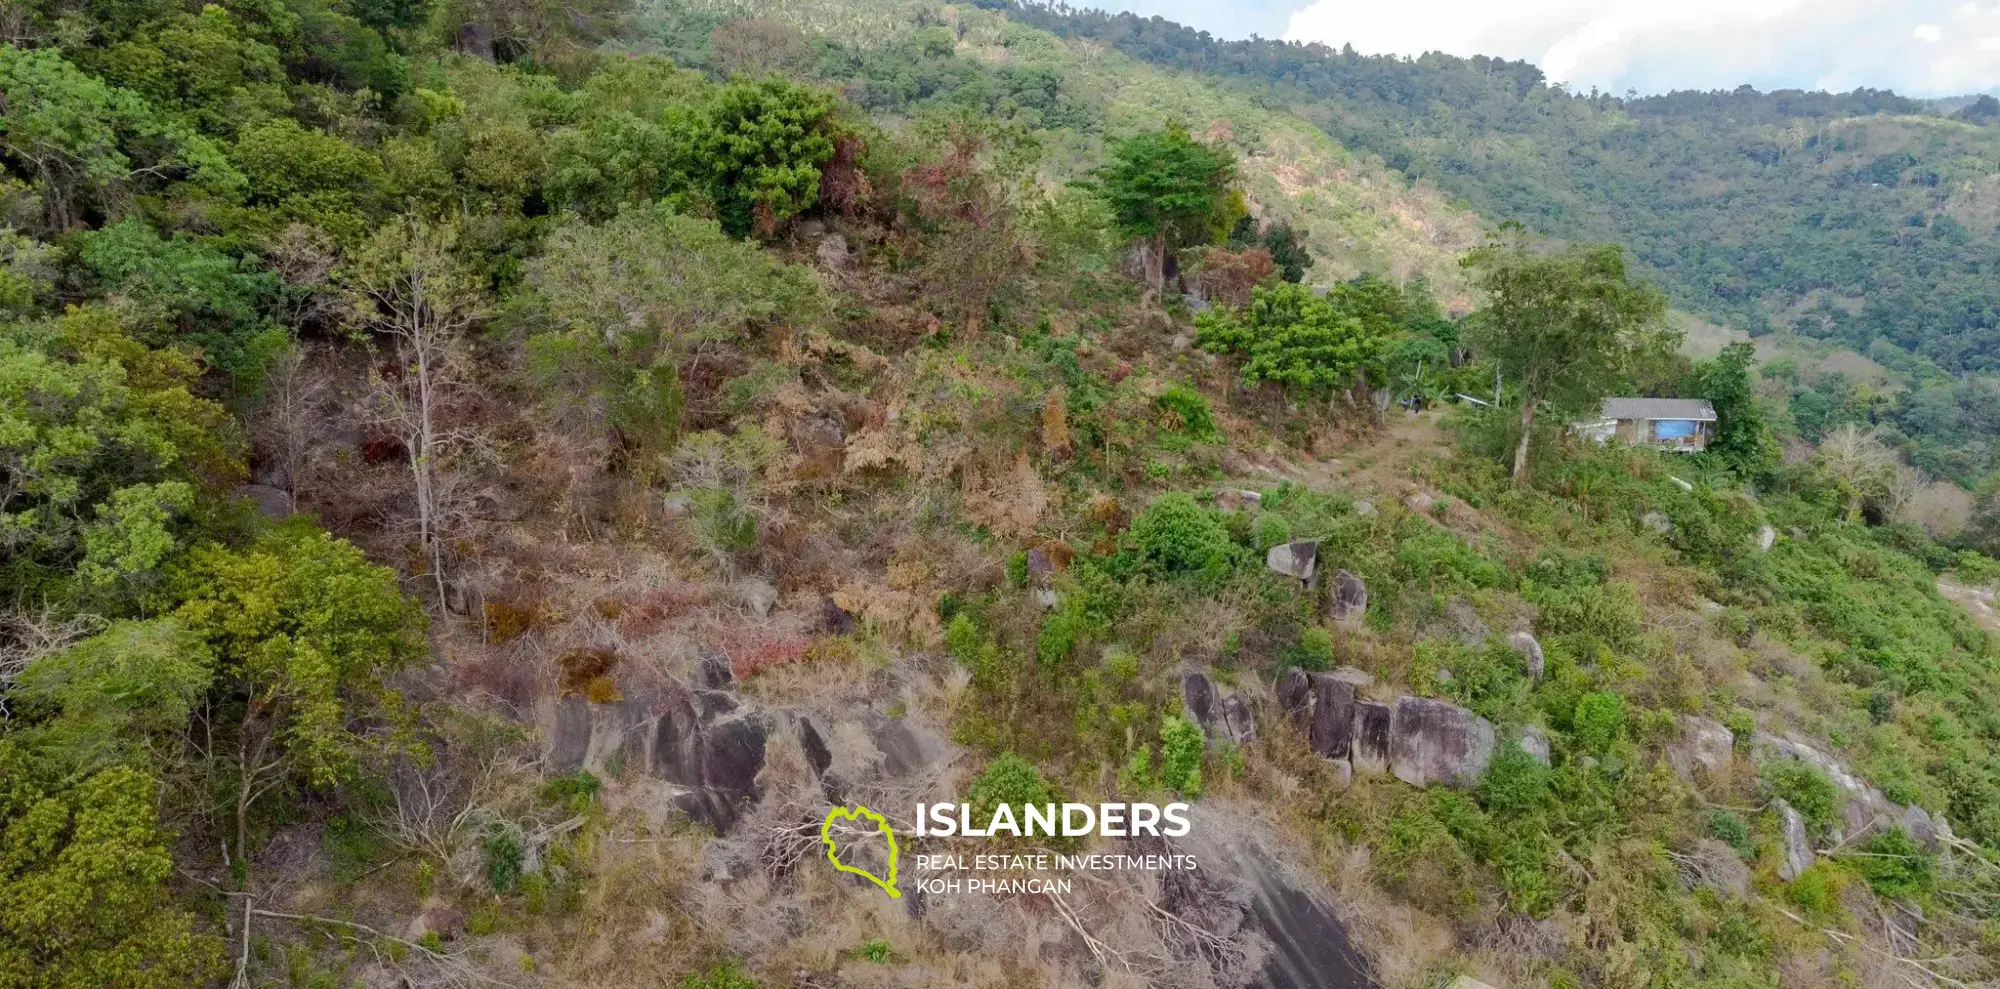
(753, 651)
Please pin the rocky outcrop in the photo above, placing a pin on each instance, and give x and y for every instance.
(821, 442)
(757, 595)
(729, 753)
(1332, 728)
(1372, 726)
(582, 735)
(833, 254)
(474, 39)
(868, 747)
(1221, 714)
(439, 918)
(1794, 844)
(1431, 741)
(271, 502)
(1704, 746)
(1348, 674)
(1421, 741)
(1324, 707)
(834, 619)
(1535, 742)
(1917, 823)
(704, 741)
(1199, 698)
(1236, 714)
(1865, 809)
(1307, 946)
(1347, 599)
(1041, 569)
(1532, 661)
(1297, 560)
(1295, 696)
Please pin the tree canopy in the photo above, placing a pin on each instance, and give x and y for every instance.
(1564, 327)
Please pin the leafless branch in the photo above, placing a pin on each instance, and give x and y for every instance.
(455, 969)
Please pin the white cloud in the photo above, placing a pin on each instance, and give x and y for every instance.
(1654, 46)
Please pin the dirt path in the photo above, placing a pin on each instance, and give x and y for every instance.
(1381, 464)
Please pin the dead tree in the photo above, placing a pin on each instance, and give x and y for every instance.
(293, 400)
(423, 298)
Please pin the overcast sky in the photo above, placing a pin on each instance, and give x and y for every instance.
(1915, 47)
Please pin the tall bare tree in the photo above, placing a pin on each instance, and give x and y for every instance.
(1864, 468)
(294, 396)
(423, 297)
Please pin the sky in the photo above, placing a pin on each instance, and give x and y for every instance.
(1922, 48)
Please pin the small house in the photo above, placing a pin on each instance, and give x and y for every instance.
(1678, 424)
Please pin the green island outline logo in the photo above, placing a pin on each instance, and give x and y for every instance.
(833, 851)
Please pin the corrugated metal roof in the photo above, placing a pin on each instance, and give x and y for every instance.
(1659, 408)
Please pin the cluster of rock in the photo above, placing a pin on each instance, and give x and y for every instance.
(1222, 715)
(703, 741)
(703, 745)
(1419, 740)
(1865, 810)
(1422, 741)
(1708, 747)
(1347, 594)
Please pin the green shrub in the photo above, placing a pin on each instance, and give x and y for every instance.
(1187, 412)
(572, 790)
(1316, 649)
(1522, 861)
(1894, 866)
(1743, 725)
(1017, 570)
(1881, 707)
(1806, 789)
(1176, 537)
(1181, 746)
(724, 976)
(1486, 678)
(1610, 613)
(1817, 889)
(1432, 560)
(1731, 830)
(1599, 721)
(505, 855)
(1564, 569)
(1429, 865)
(965, 641)
(1515, 783)
(1137, 777)
(1270, 530)
(1061, 630)
(721, 521)
(1008, 780)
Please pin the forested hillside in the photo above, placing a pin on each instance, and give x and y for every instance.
(1858, 218)
(483, 482)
